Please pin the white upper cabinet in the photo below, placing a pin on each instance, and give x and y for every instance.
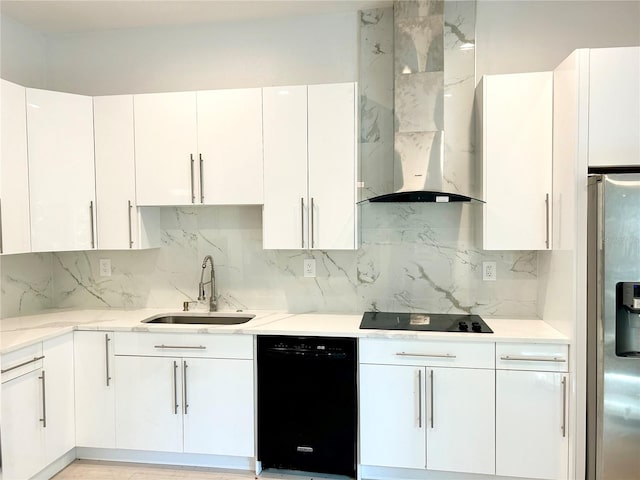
(61, 171)
(202, 148)
(614, 107)
(332, 165)
(230, 146)
(284, 215)
(515, 116)
(310, 162)
(15, 234)
(166, 148)
(120, 225)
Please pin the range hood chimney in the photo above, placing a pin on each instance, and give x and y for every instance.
(427, 100)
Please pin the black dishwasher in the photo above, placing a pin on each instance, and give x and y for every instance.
(307, 408)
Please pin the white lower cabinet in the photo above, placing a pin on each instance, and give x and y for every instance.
(185, 403)
(148, 404)
(416, 415)
(392, 418)
(532, 388)
(218, 417)
(22, 432)
(37, 408)
(461, 420)
(95, 389)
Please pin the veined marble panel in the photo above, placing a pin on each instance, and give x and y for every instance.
(413, 257)
(377, 165)
(419, 105)
(419, 45)
(376, 102)
(27, 284)
(417, 8)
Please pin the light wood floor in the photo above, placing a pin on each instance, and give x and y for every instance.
(95, 470)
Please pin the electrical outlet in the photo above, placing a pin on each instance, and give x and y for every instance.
(489, 271)
(309, 267)
(105, 267)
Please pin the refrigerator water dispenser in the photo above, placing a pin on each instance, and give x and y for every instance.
(628, 319)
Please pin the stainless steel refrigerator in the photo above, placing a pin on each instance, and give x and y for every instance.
(613, 329)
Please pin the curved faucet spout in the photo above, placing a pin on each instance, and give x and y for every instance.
(212, 282)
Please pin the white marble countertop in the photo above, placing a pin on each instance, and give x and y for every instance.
(18, 332)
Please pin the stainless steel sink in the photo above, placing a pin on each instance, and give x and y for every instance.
(201, 318)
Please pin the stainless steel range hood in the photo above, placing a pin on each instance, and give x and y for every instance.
(419, 173)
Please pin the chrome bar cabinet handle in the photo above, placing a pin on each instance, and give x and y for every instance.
(44, 401)
(302, 222)
(546, 202)
(533, 359)
(419, 398)
(34, 359)
(564, 407)
(431, 395)
(193, 347)
(175, 387)
(428, 355)
(106, 356)
(201, 179)
(93, 236)
(193, 193)
(313, 241)
(184, 382)
(130, 228)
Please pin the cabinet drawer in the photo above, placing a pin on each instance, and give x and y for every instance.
(532, 356)
(427, 353)
(21, 361)
(184, 345)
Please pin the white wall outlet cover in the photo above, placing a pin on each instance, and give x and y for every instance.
(309, 267)
(489, 271)
(105, 267)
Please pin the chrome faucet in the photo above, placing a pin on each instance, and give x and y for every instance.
(213, 306)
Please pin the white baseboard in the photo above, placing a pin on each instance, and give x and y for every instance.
(57, 465)
(166, 458)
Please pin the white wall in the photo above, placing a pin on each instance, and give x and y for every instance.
(527, 36)
(23, 58)
(281, 51)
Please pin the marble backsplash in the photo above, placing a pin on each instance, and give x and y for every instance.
(413, 257)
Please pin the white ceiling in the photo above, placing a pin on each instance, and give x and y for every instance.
(66, 16)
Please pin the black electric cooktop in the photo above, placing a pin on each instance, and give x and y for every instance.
(432, 322)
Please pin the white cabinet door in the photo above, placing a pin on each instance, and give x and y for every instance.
(149, 403)
(95, 389)
(219, 412)
(22, 433)
(332, 165)
(531, 428)
(515, 113)
(115, 172)
(392, 416)
(15, 233)
(461, 420)
(614, 107)
(166, 146)
(61, 171)
(60, 432)
(284, 216)
(230, 146)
